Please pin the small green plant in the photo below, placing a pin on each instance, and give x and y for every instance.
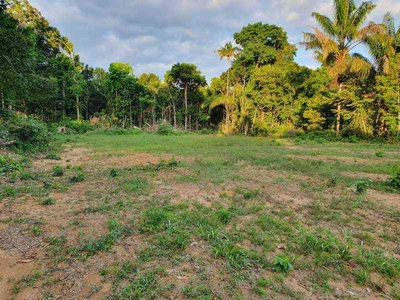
(36, 230)
(48, 201)
(362, 276)
(379, 154)
(362, 185)
(394, 181)
(224, 216)
(53, 156)
(283, 263)
(78, 177)
(58, 171)
(113, 173)
(165, 128)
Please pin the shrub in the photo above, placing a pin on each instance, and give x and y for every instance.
(78, 127)
(165, 128)
(48, 201)
(53, 156)
(58, 171)
(24, 133)
(78, 177)
(9, 164)
(113, 173)
(362, 185)
(394, 181)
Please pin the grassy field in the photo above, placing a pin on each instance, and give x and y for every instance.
(201, 217)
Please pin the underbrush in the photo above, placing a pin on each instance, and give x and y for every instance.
(23, 133)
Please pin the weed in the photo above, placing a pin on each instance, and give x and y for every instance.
(283, 263)
(36, 230)
(379, 154)
(58, 171)
(48, 201)
(224, 216)
(362, 185)
(78, 177)
(53, 156)
(394, 181)
(113, 173)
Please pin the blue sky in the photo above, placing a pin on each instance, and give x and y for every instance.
(152, 35)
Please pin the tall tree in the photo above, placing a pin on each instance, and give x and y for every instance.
(185, 76)
(337, 38)
(229, 52)
(385, 49)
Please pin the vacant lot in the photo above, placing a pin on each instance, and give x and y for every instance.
(192, 216)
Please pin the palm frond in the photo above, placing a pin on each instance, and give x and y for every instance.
(223, 100)
(326, 24)
(360, 15)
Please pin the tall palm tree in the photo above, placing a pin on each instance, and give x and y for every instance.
(384, 47)
(337, 38)
(229, 52)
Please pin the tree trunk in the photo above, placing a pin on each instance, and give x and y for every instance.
(78, 116)
(186, 106)
(227, 83)
(64, 96)
(338, 113)
(174, 110)
(130, 113)
(398, 104)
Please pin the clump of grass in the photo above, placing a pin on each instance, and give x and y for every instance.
(58, 171)
(224, 216)
(53, 156)
(379, 154)
(48, 201)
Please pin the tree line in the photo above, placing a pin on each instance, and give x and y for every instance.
(263, 92)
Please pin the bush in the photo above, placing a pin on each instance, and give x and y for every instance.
(58, 171)
(48, 201)
(394, 181)
(362, 185)
(78, 177)
(78, 127)
(53, 156)
(9, 164)
(164, 128)
(24, 133)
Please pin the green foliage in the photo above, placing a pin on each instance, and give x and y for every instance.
(164, 128)
(113, 173)
(9, 164)
(394, 181)
(53, 156)
(58, 171)
(224, 216)
(48, 201)
(362, 185)
(24, 133)
(78, 126)
(379, 154)
(79, 176)
(283, 263)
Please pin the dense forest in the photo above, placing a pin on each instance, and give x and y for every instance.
(263, 92)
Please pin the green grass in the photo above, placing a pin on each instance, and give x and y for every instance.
(227, 214)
